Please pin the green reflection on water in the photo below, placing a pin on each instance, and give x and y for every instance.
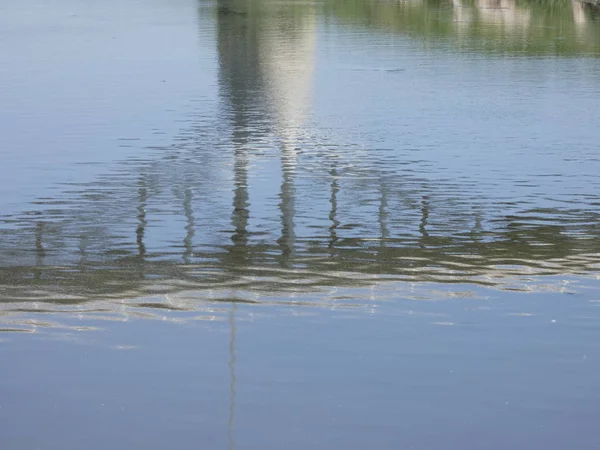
(518, 27)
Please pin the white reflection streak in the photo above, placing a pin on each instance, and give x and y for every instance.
(289, 62)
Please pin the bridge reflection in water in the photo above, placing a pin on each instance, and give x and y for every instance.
(260, 203)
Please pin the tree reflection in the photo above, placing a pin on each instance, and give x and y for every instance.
(524, 27)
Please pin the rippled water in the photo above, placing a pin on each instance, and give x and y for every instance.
(278, 168)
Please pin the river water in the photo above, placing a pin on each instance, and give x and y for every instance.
(299, 224)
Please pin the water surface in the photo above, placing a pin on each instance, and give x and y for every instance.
(304, 224)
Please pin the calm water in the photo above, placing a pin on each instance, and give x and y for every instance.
(289, 224)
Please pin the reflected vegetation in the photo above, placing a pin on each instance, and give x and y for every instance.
(258, 200)
(515, 27)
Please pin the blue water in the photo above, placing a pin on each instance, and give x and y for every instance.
(299, 225)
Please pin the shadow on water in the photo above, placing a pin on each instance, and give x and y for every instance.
(184, 225)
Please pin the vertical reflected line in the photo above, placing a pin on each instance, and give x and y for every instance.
(189, 227)
(424, 217)
(333, 237)
(141, 217)
(476, 235)
(40, 251)
(477, 229)
(241, 203)
(287, 202)
(579, 15)
(239, 83)
(232, 377)
(382, 216)
(83, 244)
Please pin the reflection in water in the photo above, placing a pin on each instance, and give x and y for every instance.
(579, 13)
(505, 13)
(265, 56)
(188, 241)
(514, 27)
(424, 216)
(504, 17)
(141, 216)
(232, 377)
(288, 60)
(332, 214)
(286, 204)
(239, 81)
(239, 217)
(40, 252)
(83, 251)
(352, 156)
(586, 17)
